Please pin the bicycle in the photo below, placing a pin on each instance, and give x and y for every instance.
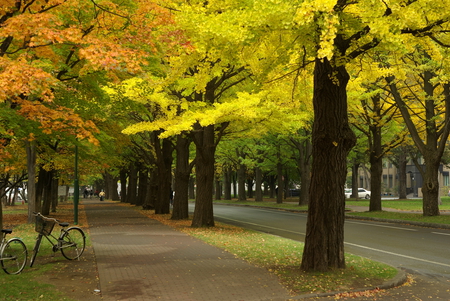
(71, 241)
(13, 254)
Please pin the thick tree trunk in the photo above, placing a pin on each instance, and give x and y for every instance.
(182, 174)
(430, 188)
(164, 158)
(332, 139)
(152, 191)
(205, 147)
(142, 188)
(47, 190)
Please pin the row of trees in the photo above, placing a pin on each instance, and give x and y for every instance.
(176, 76)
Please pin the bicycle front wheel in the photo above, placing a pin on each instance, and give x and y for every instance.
(73, 243)
(14, 256)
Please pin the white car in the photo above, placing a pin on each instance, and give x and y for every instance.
(362, 193)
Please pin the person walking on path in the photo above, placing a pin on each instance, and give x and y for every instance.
(139, 258)
(102, 195)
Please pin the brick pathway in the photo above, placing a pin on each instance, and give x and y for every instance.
(141, 259)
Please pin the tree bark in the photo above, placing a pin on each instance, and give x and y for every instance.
(123, 185)
(205, 149)
(132, 184)
(401, 167)
(182, 174)
(164, 149)
(258, 185)
(376, 164)
(242, 196)
(280, 182)
(332, 139)
(227, 183)
(31, 187)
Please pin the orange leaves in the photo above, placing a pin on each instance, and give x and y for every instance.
(59, 119)
(18, 78)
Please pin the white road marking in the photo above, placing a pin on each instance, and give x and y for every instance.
(440, 233)
(396, 254)
(383, 226)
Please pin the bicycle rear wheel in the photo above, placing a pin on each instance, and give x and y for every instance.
(14, 256)
(73, 243)
(37, 245)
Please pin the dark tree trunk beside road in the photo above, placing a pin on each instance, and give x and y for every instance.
(332, 139)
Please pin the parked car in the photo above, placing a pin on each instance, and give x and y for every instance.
(362, 193)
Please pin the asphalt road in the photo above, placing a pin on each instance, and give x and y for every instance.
(424, 251)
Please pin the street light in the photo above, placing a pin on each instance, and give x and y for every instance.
(76, 190)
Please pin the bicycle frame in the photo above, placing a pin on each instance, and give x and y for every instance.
(71, 240)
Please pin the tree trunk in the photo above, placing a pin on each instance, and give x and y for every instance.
(250, 188)
(132, 184)
(242, 196)
(376, 165)
(182, 174)
(142, 188)
(205, 148)
(304, 164)
(218, 189)
(47, 190)
(152, 190)
(258, 185)
(123, 185)
(31, 187)
(227, 184)
(430, 188)
(280, 182)
(355, 185)
(54, 193)
(402, 162)
(192, 191)
(164, 149)
(332, 139)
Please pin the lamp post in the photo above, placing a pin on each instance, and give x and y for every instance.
(76, 190)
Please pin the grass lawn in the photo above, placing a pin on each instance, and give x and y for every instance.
(39, 282)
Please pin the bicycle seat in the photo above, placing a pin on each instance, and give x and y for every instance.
(63, 224)
(7, 231)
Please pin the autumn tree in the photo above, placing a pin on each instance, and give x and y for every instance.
(423, 98)
(345, 30)
(378, 120)
(49, 46)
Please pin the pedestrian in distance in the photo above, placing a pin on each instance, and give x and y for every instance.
(102, 195)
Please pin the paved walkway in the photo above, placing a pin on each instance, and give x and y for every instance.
(141, 259)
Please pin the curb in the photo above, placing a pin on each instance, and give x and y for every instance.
(398, 280)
